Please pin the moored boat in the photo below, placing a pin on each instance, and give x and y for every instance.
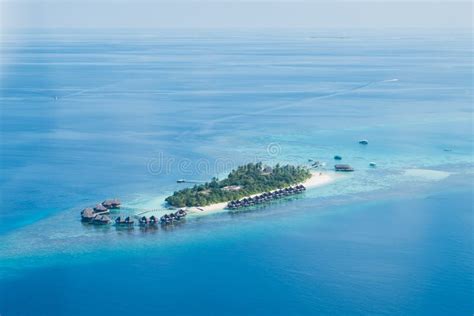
(345, 168)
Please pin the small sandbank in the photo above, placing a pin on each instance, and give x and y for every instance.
(317, 179)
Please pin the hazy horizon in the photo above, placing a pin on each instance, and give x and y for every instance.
(112, 14)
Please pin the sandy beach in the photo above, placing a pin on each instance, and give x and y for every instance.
(317, 179)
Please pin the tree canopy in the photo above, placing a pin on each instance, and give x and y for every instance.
(251, 178)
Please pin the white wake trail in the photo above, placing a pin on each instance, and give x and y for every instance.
(209, 124)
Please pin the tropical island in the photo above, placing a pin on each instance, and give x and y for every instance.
(253, 182)
(244, 181)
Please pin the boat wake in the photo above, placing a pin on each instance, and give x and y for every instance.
(208, 126)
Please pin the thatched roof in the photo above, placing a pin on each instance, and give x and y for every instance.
(87, 212)
(100, 208)
(112, 202)
(102, 218)
(268, 169)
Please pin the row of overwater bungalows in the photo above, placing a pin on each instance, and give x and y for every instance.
(152, 220)
(173, 217)
(265, 197)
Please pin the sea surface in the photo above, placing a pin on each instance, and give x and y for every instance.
(92, 115)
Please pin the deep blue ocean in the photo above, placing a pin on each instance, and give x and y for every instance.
(92, 115)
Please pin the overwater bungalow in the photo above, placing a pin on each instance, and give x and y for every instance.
(127, 221)
(112, 204)
(87, 214)
(152, 220)
(101, 220)
(99, 208)
(345, 168)
(166, 219)
(143, 221)
(180, 213)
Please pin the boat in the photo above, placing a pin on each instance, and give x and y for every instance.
(372, 164)
(363, 142)
(337, 157)
(345, 168)
(101, 220)
(87, 215)
(180, 181)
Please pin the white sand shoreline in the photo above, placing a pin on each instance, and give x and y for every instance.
(317, 179)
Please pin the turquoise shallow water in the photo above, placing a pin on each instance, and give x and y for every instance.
(88, 116)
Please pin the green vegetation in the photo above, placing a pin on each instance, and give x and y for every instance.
(251, 178)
